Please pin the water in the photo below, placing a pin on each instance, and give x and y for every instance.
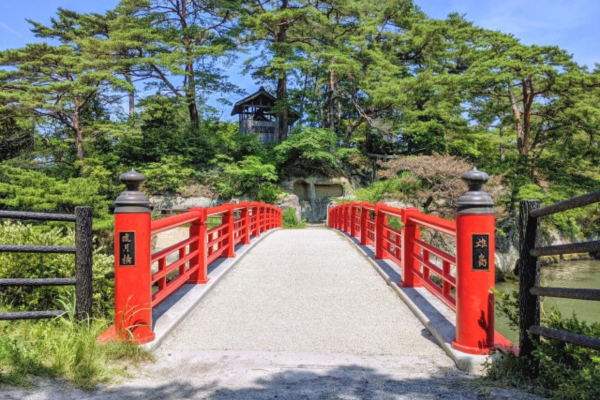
(573, 274)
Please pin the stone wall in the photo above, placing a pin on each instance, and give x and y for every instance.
(315, 193)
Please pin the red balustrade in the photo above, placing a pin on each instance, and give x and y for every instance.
(151, 278)
(423, 264)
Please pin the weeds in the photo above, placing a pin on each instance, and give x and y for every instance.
(566, 371)
(290, 220)
(63, 348)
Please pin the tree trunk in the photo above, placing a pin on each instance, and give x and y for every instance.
(331, 102)
(190, 94)
(131, 96)
(78, 136)
(517, 114)
(282, 117)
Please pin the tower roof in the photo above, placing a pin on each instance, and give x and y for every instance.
(268, 101)
(261, 99)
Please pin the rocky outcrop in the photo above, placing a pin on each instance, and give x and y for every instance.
(315, 193)
(292, 201)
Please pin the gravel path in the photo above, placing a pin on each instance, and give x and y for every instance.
(305, 290)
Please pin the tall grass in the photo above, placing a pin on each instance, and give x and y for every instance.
(64, 348)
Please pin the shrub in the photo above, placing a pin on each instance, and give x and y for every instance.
(290, 219)
(26, 190)
(309, 151)
(566, 371)
(25, 265)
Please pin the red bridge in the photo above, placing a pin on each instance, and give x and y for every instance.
(460, 277)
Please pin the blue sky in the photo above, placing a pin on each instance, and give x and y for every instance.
(570, 24)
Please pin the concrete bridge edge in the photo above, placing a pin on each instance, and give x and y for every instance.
(171, 312)
(429, 315)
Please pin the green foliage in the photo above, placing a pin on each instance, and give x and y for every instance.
(26, 190)
(290, 219)
(169, 176)
(397, 188)
(566, 371)
(62, 348)
(248, 176)
(308, 149)
(24, 265)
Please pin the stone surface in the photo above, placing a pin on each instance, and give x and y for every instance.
(292, 201)
(315, 193)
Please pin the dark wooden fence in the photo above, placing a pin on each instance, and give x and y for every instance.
(83, 263)
(529, 273)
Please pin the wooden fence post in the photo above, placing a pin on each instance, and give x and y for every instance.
(529, 276)
(83, 262)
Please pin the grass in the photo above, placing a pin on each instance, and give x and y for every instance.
(64, 348)
(290, 220)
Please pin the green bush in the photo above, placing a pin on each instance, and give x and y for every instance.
(309, 151)
(400, 187)
(290, 219)
(25, 265)
(566, 371)
(26, 190)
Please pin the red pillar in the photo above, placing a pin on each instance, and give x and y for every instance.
(255, 214)
(245, 216)
(475, 272)
(198, 228)
(353, 217)
(380, 232)
(228, 219)
(133, 293)
(364, 214)
(410, 231)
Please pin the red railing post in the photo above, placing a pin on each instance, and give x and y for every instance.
(228, 218)
(346, 217)
(332, 223)
(380, 233)
(133, 293)
(475, 244)
(270, 220)
(364, 214)
(410, 231)
(353, 214)
(198, 228)
(256, 217)
(245, 216)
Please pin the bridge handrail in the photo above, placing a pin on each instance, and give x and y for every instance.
(435, 223)
(467, 274)
(144, 279)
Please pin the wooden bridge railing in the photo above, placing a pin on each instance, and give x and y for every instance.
(462, 280)
(529, 274)
(144, 279)
(83, 263)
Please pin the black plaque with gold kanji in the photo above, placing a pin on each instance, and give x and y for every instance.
(127, 249)
(481, 252)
